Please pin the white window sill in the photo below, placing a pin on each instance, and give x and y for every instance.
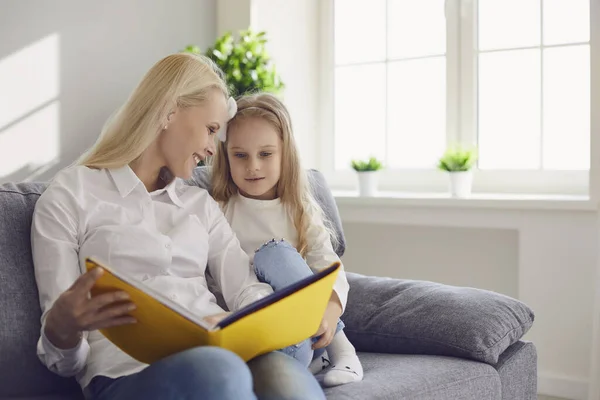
(476, 200)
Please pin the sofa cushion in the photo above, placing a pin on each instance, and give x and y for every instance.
(415, 317)
(418, 377)
(21, 371)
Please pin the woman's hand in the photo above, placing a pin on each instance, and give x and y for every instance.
(329, 322)
(74, 312)
(216, 318)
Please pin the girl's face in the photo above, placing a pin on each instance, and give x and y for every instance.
(190, 134)
(254, 150)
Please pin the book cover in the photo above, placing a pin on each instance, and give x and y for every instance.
(163, 327)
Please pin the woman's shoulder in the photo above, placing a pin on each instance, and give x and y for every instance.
(71, 183)
(76, 175)
(194, 196)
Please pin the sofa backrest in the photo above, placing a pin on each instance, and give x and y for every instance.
(21, 373)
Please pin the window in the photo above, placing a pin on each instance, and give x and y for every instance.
(534, 84)
(407, 78)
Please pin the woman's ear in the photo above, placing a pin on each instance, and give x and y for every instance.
(170, 115)
(170, 118)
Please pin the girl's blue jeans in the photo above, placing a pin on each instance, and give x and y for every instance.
(279, 264)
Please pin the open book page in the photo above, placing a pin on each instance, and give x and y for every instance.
(277, 296)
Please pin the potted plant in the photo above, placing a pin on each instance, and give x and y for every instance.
(245, 62)
(368, 175)
(458, 162)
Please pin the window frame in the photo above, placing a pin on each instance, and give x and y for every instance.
(461, 117)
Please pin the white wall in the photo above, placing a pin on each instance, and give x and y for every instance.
(293, 44)
(434, 253)
(100, 50)
(545, 258)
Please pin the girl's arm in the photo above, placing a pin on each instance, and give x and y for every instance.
(229, 265)
(320, 255)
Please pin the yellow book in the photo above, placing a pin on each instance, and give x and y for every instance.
(163, 327)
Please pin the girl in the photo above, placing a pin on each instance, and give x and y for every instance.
(124, 202)
(262, 189)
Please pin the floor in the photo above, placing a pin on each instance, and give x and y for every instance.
(541, 397)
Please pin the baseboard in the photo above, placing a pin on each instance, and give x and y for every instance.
(563, 387)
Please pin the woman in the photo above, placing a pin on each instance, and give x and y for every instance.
(124, 204)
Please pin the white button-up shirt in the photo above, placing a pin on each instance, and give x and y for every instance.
(165, 239)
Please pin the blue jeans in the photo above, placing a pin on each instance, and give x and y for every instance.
(279, 264)
(207, 373)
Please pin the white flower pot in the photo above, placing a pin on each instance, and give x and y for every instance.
(367, 183)
(461, 183)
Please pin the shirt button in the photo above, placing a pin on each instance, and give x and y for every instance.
(168, 246)
(173, 297)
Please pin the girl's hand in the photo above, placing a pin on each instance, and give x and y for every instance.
(329, 322)
(74, 312)
(216, 318)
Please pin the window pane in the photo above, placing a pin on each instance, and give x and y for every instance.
(416, 28)
(359, 113)
(507, 24)
(417, 112)
(509, 109)
(359, 31)
(567, 108)
(566, 21)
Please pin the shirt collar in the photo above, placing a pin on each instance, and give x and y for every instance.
(126, 180)
(172, 192)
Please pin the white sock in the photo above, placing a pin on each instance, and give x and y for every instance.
(346, 366)
(319, 364)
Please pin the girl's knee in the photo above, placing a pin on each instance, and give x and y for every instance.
(275, 248)
(277, 256)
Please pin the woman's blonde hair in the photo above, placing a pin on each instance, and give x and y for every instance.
(178, 80)
(293, 188)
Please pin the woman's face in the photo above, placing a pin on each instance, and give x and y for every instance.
(190, 134)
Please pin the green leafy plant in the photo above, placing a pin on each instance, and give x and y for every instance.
(245, 62)
(458, 159)
(372, 164)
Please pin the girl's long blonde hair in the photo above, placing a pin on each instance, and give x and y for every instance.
(178, 80)
(293, 188)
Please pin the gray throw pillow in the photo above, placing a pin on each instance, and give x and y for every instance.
(415, 317)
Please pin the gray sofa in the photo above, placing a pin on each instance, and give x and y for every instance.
(417, 340)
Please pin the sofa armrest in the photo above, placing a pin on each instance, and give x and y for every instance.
(416, 317)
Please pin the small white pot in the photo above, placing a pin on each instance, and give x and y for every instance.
(367, 183)
(461, 183)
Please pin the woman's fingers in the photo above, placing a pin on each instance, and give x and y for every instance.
(105, 299)
(113, 312)
(85, 282)
(110, 316)
(215, 319)
(107, 323)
